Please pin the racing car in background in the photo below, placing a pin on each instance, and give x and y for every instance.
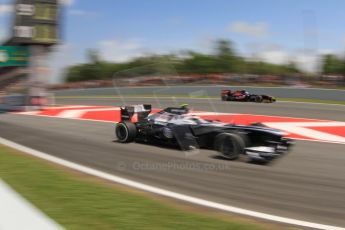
(245, 96)
(177, 126)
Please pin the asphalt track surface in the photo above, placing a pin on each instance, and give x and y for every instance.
(307, 184)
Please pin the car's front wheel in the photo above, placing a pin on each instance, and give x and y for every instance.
(258, 99)
(230, 145)
(125, 131)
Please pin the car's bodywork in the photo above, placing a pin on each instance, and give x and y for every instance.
(245, 96)
(175, 126)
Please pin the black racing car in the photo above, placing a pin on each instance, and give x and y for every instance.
(245, 96)
(176, 126)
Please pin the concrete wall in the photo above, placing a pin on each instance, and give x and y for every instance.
(279, 92)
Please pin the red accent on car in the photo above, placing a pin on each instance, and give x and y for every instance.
(225, 92)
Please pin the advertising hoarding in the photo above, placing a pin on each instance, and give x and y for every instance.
(37, 22)
(14, 56)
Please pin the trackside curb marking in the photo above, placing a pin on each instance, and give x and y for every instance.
(297, 128)
(163, 192)
(18, 213)
(80, 112)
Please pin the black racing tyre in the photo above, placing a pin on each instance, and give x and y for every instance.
(245, 138)
(125, 131)
(258, 99)
(224, 98)
(230, 145)
(267, 100)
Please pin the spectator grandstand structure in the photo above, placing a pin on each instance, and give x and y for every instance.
(35, 30)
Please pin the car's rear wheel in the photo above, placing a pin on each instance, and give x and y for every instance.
(230, 145)
(231, 98)
(125, 131)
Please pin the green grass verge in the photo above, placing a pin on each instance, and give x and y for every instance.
(81, 202)
(165, 96)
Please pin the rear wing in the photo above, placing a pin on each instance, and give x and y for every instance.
(141, 112)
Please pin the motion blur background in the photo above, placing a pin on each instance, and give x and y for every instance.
(268, 43)
(293, 50)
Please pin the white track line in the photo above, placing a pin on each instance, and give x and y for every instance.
(17, 213)
(163, 192)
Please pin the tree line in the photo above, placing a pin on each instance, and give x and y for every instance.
(223, 59)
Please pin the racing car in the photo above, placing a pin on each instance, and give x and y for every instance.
(245, 96)
(177, 126)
